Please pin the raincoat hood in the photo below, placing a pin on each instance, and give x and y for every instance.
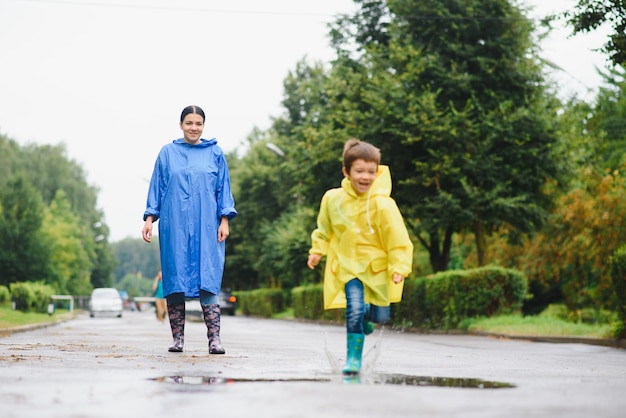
(202, 144)
(380, 187)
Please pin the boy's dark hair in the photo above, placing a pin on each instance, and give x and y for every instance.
(192, 110)
(355, 149)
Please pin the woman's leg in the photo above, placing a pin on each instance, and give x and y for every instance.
(212, 319)
(176, 313)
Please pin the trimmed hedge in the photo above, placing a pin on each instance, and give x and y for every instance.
(260, 302)
(31, 296)
(5, 296)
(618, 278)
(308, 303)
(444, 300)
(440, 301)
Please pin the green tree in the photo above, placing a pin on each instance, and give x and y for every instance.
(72, 248)
(260, 185)
(24, 256)
(104, 262)
(285, 247)
(448, 90)
(589, 15)
(135, 257)
(136, 285)
(48, 170)
(608, 121)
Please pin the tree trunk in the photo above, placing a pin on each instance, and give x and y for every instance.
(480, 237)
(439, 256)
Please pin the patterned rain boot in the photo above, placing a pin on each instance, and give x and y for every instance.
(176, 314)
(355, 352)
(212, 320)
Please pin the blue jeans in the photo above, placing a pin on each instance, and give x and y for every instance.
(357, 310)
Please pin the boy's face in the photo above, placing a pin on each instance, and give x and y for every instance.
(362, 175)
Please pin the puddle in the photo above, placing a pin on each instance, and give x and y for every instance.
(452, 382)
(371, 379)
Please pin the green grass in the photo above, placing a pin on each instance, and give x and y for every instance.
(10, 318)
(545, 326)
(287, 314)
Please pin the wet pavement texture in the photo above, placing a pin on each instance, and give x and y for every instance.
(120, 367)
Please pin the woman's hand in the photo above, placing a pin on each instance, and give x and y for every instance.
(146, 232)
(223, 231)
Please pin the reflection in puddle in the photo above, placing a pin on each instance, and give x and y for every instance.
(214, 380)
(372, 379)
(452, 382)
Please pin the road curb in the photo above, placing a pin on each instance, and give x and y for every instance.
(604, 342)
(4, 332)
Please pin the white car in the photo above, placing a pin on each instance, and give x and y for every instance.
(105, 300)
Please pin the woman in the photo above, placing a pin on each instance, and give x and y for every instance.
(190, 196)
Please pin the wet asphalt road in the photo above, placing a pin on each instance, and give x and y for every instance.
(110, 367)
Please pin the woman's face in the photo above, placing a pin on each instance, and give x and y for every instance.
(192, 127)
(362, 174)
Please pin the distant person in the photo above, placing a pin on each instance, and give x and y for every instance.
(368, 250)
(159, 300)
(190, 196)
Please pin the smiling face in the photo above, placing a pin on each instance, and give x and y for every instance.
(362, 175)
(192, 127)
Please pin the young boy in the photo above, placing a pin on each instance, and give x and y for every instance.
(368, 250)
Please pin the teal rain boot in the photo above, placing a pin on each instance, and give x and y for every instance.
(355, 352)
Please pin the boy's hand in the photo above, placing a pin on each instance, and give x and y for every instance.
(397, 278)
(314, 260)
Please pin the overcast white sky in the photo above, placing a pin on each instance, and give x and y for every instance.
(109, 78)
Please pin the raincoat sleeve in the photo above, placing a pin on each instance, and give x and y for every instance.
(397, 242)
(224, 196)
(156, 190)
(321, 235)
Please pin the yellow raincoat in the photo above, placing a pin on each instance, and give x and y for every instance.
(364, 237)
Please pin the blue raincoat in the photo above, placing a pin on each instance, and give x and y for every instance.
(189, 193)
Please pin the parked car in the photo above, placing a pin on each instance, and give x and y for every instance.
(227, 301)
(105, 300)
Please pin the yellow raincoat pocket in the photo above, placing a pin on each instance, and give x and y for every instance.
(379, 265)
(394, 290)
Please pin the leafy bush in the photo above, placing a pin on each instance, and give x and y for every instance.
(617, 264)
(444, 300)
(31, 296)
(260, 302)
(308, 303)
(5, 296)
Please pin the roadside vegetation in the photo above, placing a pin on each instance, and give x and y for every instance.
(537, 325)
(544, 325)
(10, 318)
(490, 167)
